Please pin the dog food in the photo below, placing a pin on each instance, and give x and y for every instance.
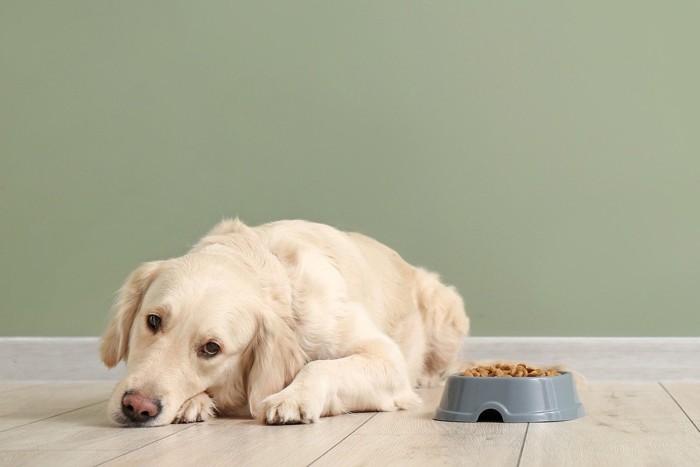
(509, 370)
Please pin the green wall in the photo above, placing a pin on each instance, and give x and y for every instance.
(543, 156)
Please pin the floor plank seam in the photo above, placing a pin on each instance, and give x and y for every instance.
(679, 405)
(346, 437)
(147, 444)
(522, 447)
(52, 416)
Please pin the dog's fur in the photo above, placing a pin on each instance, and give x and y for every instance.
(311, 322)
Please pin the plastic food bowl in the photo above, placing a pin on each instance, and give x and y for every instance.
(527, 399)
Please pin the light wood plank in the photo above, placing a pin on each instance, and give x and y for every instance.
(412, 437)
(33, 403)
(625, 425)
(633, 401)
(56, 458)
(479, 448)
(419, 421)
(85, 429)
(687, 395)
(8, 386)
(410, 422)
(246, 442)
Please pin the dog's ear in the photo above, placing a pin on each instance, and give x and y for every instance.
(116, 339)
(274, 359)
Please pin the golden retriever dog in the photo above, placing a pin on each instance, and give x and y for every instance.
(286, 322)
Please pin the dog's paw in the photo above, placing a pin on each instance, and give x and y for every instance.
(429, 381)
(291, 406)
(407, 400)
(196, 409)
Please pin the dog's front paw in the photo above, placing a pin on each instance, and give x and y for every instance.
(291, 406)
(196, 409)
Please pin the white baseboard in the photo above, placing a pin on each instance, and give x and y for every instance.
(597, 358)
(52, 358)
(656, 358)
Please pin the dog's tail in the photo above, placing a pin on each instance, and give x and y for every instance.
(444, 320)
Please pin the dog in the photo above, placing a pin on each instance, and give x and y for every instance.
(285, 323)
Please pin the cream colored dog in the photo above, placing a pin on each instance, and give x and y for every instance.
(286, 322)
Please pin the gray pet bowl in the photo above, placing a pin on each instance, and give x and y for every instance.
(541, 399)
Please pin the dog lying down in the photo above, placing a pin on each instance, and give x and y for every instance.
(286, 322)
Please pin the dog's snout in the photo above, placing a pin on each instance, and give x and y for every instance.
(139, 408)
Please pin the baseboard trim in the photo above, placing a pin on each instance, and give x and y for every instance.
(597, 358)
(54, 358)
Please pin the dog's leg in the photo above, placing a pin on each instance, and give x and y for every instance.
(373, 377)
(196, 409)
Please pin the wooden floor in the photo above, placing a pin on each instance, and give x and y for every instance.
(627, 423)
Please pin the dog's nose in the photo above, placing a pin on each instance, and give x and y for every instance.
(138, 408)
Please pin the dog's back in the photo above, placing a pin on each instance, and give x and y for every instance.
(423, 316)
(414, 294)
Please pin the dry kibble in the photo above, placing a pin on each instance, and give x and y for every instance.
(509, 370)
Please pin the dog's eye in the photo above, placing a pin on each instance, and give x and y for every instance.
(210, 349)
(153, 322)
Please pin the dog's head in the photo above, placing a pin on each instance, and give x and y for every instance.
(210, 322)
